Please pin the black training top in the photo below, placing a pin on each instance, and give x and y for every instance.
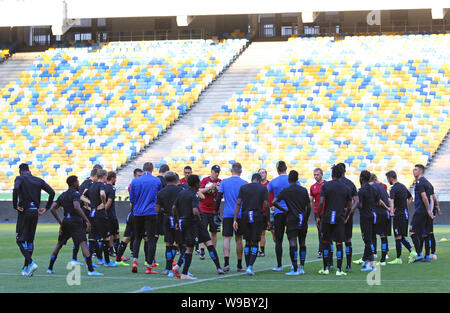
(383, 195)
(27, 192)
(163, 181)
(186, 201)
(253, 196)
(350, 185)
(66, 200)
(400, 194)
(297, 200)
(93, 194)
(110, 191)
(368, 198)
(336, 195)
(166, 198)
(422, 185)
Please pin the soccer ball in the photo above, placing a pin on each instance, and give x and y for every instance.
(211, 191)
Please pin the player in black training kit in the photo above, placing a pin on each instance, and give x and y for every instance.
(110, 207)
(299, 209)
(338, 202)
(368, 198)
(164, 203)
(186, 211)
(26, 200)
(95, 197)
(92, 241)
(349, 225)
(253, 197)
(399, 199)
(73, 224)
(382, 223)
(423, 202)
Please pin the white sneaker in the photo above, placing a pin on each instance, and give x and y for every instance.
(31, 269)
(277, 269)
(187, 277)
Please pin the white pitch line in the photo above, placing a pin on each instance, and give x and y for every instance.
(221, 277)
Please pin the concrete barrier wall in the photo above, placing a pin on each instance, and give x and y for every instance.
(9, 215)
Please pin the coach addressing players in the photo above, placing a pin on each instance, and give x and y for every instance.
(143, 195)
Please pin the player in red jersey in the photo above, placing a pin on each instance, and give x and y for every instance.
(187, 172)
(314, 196)
(209, 187)
(262, 244)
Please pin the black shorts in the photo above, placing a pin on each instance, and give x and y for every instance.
(296, 232)
(74, 230)
(419, 223)
(348, 232)
(102, 227)
(264, 223)
(113, 226)
(383, 223)
(251, 231)
(280, 225)
(367, 228)
(188, 232)
(429, 228)
(129, 229)
(332, 232)
(202, 233)
(93, 233)
(171, 234)
(26, 225)
(228, 230)
(400, 225)
(208, 220)
(145, 225)
(160, 226)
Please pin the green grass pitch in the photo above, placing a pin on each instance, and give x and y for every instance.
(410, 278)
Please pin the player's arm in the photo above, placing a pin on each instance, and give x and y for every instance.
(382, 204)
(218, 200)
(15, 198)
(103, 198)
(308, 210)
(86, 201)
(79, 211)
(53, 209)
(391, 207)
(108, 204)
(353, 207)
(158, 208)
(51, 196)
(203, 188)
(267, 211)
(196, 212)
(236, 212)
(320, 208)
(311, 201)
(423, 196)
(276, 203)
(436, 204)
(201, 196)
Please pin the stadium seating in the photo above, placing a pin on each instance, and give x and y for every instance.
(4, 54)
(78, 106)
(372, 102)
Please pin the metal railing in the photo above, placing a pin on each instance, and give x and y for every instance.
(105, 36)
(339, 29)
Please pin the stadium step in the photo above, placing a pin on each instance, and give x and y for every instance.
(438, 171)
(16, 64)
(241, 72)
